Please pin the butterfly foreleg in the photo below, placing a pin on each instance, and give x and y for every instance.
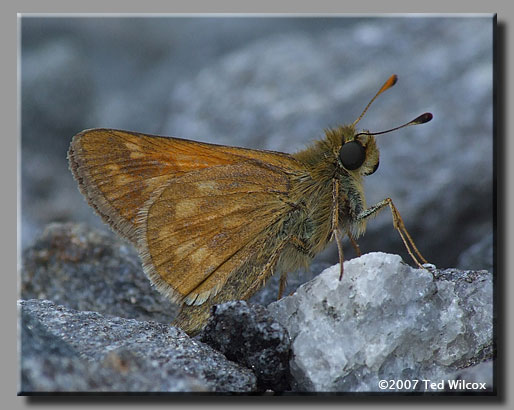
(398, 225)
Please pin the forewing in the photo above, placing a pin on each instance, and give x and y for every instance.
(200, 227)
(119, 171)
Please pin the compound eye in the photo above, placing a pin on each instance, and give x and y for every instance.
(352, 155)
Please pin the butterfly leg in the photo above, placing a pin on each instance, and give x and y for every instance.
(354, 243)
(282, 284)
(398, 225)
(336, 231)
(337, 236)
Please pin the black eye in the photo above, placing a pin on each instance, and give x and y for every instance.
(352, 155)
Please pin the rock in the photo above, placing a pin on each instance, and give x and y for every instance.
(478, 377)
(86, 269)
(385, 320)
(248, 335)
(49, 364)
(67, 350)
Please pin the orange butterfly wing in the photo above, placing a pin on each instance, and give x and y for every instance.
(192, 209)
(197, 230)
(118, 171)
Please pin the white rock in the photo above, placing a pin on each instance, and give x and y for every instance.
(383, 320)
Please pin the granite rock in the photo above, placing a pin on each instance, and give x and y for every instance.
(68, 350)
(386, 320)
(49, 364)
(86, 269)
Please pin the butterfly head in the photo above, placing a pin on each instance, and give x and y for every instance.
(358, 151)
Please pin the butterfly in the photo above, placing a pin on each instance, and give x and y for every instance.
(212, 223)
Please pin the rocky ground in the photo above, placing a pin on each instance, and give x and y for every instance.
(383, 321)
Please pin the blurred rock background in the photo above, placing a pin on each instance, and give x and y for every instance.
(275, 83)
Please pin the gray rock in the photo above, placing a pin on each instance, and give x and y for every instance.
(86, 269)
(49, 364)
(385, 320)
(115, 354)
(38, 341)
(478, 377)
(248, 335)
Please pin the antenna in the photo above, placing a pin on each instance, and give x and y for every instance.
(423, 118)
(388, 84)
